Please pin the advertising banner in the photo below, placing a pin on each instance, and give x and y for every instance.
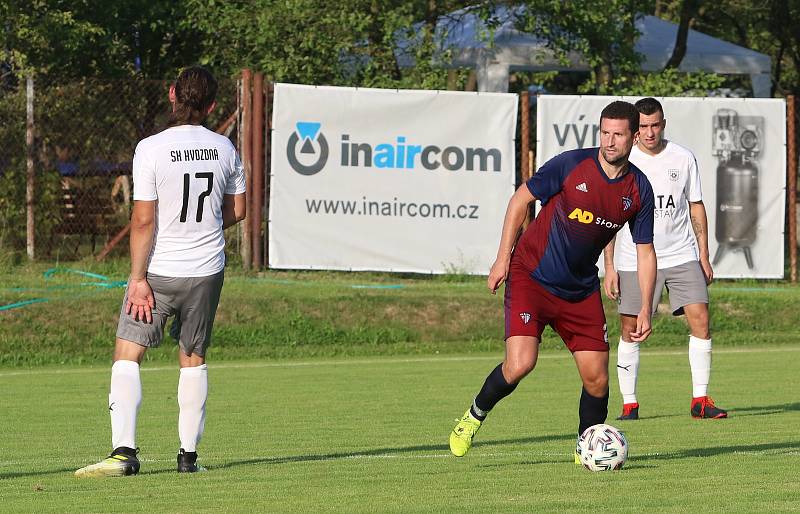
(389, 180)
(740, 146)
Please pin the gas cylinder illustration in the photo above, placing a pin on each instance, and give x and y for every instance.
(737, 144)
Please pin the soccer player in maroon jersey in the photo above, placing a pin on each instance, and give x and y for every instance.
(551, 278)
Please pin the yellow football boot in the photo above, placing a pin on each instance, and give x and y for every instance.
(462, 434)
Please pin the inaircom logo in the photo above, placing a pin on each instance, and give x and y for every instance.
(313, 143)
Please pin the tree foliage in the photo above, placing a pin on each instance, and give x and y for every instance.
(603, 32)
(353, 42)
(95, 38)
(771, 27)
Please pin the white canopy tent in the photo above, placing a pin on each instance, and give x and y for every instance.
(514, 50)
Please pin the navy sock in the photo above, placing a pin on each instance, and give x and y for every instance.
(494, 389)
(592, 410)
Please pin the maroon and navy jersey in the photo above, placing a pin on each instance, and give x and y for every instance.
(582, 210)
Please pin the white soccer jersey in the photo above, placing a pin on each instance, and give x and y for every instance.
(675, 179)
(188, 169)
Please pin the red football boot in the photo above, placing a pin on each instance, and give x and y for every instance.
(703, 408)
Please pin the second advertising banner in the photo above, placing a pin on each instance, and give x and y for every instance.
(740, 147)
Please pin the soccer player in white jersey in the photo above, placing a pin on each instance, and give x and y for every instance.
(681, 244)
(188, 185)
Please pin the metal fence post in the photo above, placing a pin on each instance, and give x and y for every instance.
(791, 169)
(247, 160)
(30, 186)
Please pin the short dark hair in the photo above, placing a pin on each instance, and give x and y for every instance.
(195, 91)
(620, 110)
(648, 106)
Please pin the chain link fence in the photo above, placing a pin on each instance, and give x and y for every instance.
(85, 133)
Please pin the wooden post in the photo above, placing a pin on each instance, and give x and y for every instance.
(791, 169)
(525, 134)
(31, 172)
(525, 146)
(258, 168)
(247, 160)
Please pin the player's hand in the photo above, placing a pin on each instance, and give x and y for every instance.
(643, 328)
(611, 284)
(497, 275)
(708, 271)
(140, 300)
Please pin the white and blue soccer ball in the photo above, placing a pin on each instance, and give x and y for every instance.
(602, 448)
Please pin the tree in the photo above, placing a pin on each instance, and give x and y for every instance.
(602, 32)
(95, 38)
(348, 43)
(689, 9)
(768, 26)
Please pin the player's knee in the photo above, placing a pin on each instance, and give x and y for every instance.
(627, 325)
(699, 326)
(596, 385)
(518, 369)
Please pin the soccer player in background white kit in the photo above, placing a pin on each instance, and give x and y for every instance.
(188, 185)
(681, 243)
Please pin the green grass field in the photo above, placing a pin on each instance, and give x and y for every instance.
(335, 392)
(370, 435)
(279, 315)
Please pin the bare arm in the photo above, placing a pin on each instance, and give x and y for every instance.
(697, 212)
(515, 215)
(234, 209)
(140, 297)
(611, 279)
(646, 268)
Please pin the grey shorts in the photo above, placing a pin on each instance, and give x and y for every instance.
(685, 284)
(192, 300)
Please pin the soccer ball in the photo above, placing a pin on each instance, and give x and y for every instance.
(602, 448)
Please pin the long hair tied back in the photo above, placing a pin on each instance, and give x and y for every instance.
(195, 91)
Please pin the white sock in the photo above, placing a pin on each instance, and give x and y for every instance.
(123, 403)
(700, 362)
(192, 394)
(627, 370)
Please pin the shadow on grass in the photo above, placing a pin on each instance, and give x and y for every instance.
(765, 410)
(387, 451)
(647, 418)
(788, 446)
(756, 410)
(21, 474)
(319, 457)
(645, 462)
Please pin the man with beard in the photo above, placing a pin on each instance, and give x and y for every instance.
(551, 278)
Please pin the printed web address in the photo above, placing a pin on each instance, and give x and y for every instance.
(392, 208)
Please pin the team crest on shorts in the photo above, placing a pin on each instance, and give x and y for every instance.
(626, 203)
(526, 317)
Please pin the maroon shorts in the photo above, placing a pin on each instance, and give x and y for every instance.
(529, 307)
